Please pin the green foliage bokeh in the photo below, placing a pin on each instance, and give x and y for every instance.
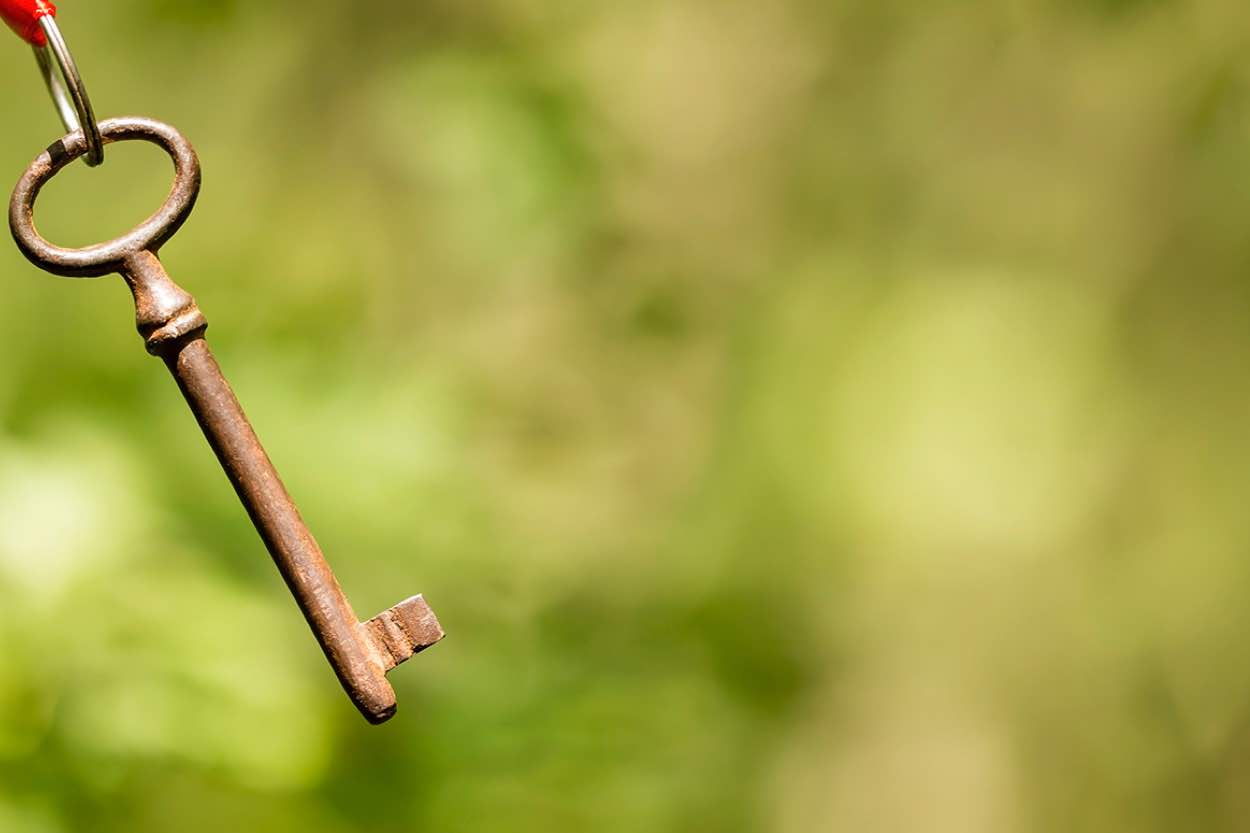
(803, 416)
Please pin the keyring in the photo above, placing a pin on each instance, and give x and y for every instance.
(68, 91)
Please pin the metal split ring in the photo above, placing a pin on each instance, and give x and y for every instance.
(67, 88)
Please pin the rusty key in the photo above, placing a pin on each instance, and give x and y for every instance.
(171, 324)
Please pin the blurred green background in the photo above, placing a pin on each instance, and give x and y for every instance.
(804, 416)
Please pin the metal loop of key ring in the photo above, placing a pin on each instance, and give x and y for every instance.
(105, 258)
(70, 94)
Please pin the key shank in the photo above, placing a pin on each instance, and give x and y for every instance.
(360, 653)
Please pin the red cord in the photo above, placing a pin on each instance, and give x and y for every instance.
(23, 18)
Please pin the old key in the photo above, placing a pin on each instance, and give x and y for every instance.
(361, 653)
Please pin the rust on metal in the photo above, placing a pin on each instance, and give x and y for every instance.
(173, 328)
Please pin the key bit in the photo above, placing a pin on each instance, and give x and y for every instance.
(173, 327)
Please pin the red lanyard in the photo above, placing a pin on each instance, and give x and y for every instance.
(23, 18)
